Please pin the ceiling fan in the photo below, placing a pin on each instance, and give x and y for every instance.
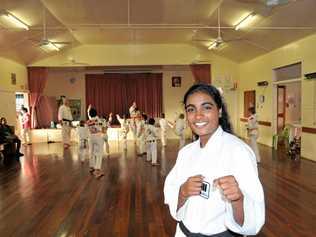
(73, 62)
(218, 42)
(46, 44)
(268, 3)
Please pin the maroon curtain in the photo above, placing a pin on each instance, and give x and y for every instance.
(115, 92)
(37, 78)
(201, 72)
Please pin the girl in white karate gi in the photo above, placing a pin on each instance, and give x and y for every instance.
(151, 142)
(123, 130)
(96, 141)
(214, 185)
(83, 136)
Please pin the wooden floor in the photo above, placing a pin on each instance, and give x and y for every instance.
(50, 193)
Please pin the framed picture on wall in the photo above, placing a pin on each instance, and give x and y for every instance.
(176, 81)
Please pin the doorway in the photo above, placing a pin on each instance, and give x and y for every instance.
(281, 94)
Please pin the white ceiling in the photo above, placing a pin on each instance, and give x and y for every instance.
(153, 22)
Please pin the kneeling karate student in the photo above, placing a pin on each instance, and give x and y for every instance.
(96, 141)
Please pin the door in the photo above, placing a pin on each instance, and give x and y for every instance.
(249, 101)
(281, 94)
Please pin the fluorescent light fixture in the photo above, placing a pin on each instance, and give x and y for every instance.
(49, 46)
(245, 21)
(14, 20)
(213, 45)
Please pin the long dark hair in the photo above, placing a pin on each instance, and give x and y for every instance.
(216, 96)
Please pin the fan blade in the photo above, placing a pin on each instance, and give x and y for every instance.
(60, 42)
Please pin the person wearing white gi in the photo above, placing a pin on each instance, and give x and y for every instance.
(253, 132)
(151, 141)
(105, 125)
(140, 134)
(132, 110)
(163, 129)
(96, 141)
(83, 135)
(179, 129)
(123, 130)
(214, 185)
(65, 119)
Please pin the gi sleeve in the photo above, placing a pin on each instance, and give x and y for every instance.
(245, 171)
(171, 191)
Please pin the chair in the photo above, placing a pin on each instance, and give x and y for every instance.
(283, 137)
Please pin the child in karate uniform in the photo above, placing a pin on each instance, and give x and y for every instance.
(96, 141)
(151, 141)
(83, 135)
(140, 133)
(105, 126)
(179, 129)
(123, 130)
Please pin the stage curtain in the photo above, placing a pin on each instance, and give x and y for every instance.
(115, 92)
(37, 78)
(201, 73)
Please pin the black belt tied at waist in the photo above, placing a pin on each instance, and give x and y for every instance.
(190, 234)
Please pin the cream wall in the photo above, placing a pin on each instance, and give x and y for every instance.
(176, 55)
(7, 91)
(60, 82)
(260, 69)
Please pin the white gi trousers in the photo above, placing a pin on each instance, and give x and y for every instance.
(96, 151)
(106, 143)
(123, 135)
(82, 149)
(181, 139)
(65, 132)
(152, 151)
(163, 134)
(141, 144)
(26, 134)
(253, 136)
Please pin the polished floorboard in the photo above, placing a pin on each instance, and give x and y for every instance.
(49, 192)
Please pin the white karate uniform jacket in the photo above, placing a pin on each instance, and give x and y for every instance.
(224, 154)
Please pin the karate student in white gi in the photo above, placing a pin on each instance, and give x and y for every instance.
(140, 134)
(123, 130)
(214, 185)
(253, 132)
(179, 127)
(83, 136)
(164, 125)
(151, 141)
(65, 119)
(132, 110)
(106, 123)
(96, 141)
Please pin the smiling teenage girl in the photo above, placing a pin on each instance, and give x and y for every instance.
(217, 159)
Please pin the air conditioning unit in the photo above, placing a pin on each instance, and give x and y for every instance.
(310, 76)
(263, 83)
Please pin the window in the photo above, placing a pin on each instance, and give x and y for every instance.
(19, 101)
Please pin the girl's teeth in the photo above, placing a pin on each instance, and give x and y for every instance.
(200, 124)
